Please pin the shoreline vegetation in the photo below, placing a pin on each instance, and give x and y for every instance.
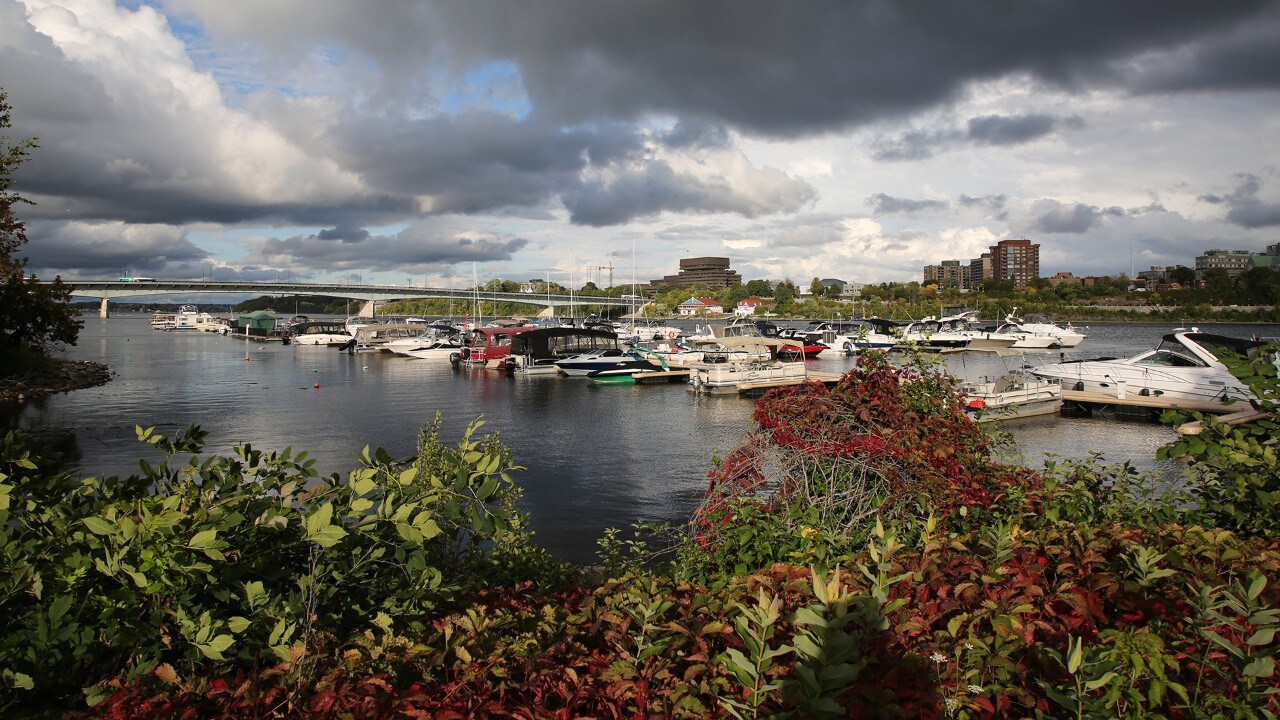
(861, 555)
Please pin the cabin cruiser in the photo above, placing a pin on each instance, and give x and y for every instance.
(849, 336)
(1036, 331)
(540, 349)
(1184, 366)
(441, 348)
(488, 346)
(934, 334)
(320, 332)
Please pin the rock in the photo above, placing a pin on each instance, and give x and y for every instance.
(58, 376)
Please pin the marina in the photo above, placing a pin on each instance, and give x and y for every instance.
(597, 456)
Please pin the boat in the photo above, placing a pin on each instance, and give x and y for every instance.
(849, 336)
(644, 361)
(588, 362)
(934, 334)
(1185, 366)
(326, 333)
(1038, 326)
(724, 377)
(540, 349)
(187, 319)
(377, 337)
(1010, 396)
(442, 348)
(805, 350)
(163, 321)
(488, 346)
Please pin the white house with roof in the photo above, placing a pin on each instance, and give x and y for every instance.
(701, 306)
(748, 307)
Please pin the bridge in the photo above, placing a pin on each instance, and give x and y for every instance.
(107, 290)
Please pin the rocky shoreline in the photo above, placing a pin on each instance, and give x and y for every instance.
(58, 376)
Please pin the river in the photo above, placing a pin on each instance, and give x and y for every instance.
(596, 456)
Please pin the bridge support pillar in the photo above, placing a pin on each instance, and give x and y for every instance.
(103, 312)
(369, 309)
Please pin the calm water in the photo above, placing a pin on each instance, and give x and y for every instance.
(597, 457)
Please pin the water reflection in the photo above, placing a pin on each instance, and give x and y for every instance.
(597, 456)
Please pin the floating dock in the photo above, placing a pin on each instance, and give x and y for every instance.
(759, 387)
(666, 376)
(1078, 401)
(1248, 415)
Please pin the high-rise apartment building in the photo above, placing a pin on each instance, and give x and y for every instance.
(1016, 260)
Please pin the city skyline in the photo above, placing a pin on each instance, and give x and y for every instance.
(203, 138)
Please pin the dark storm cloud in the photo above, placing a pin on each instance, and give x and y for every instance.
(104, 249)
(886, 204)
(345, 234)
(1246, 57)
(695, 133)
(1244, 207)
(994, 130)
(1051, 216)
(627, 193)
(787, 70)
(408, 251)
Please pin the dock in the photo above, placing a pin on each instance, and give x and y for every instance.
(1087, 402)
(1241, 417)
(759, 387)
(667, 376)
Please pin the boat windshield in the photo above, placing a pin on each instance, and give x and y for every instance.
(1168, 358)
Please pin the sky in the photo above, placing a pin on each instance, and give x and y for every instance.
(430, 143)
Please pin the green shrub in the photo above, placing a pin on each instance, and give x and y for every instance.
(238, 558)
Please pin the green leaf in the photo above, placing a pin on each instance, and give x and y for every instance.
(1263, 637)
(1260, 668)
(215, 647)
(204, 540)
(98, 526)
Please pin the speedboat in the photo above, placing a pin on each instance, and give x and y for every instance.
(642, 362)
(1185, 366)
(604, 359)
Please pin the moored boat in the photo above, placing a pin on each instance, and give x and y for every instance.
(1184, 367)
(1010, 396)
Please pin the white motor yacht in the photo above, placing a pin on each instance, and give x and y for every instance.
(1184, 366)
(1037, 331)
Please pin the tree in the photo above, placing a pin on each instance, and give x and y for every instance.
(784, 295)
(32, 314)
(759, 288)
(834, 290)
(1184, 276)
(816, 288)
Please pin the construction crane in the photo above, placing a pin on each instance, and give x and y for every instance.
(608, 267)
